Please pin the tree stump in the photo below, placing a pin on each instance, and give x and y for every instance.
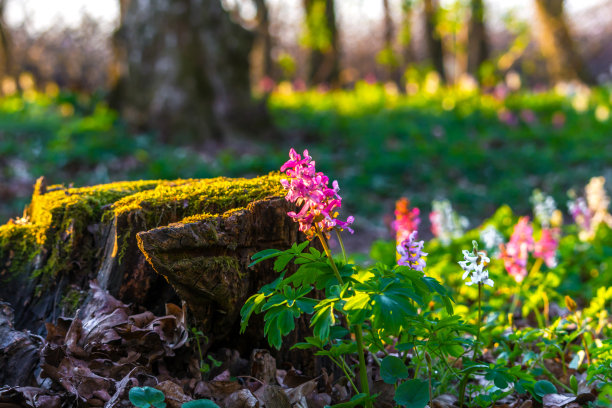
(69, 236)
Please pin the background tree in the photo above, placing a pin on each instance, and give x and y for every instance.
(261, 54)
(321, 37)
(432, 38)
(478, 47)
(184, 70)
(5, 42)
(556, 44)
(405, 34)
(387, 56)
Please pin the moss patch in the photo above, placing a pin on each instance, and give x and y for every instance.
(18, 247)
(195, 200)
(57, 219)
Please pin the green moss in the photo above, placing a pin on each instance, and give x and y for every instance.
(71, 301)
(59, 206)
(57, 218)
(197, 199)
(17, 247)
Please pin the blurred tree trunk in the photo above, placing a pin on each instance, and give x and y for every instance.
(556, 44)
(322, 39)
(390, 58)
(478, 47)
(434, 43)
(183, 70)
(406, 32)
(5, 42)
(261, 54)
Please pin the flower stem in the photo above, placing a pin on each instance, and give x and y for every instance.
(341, 245)
(329, 256)
(363, 373)
(479, 321)
(429, 371)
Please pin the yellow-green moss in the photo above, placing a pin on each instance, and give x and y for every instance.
(58, 217)
(198, 199)
(60, 205)
(206, 216)
(17, 247)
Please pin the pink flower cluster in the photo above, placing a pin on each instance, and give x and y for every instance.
(406, 220)
(309, 188)
(516, 252)
(546, 247)
(411, 253)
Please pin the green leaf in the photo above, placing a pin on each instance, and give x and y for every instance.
(201, 403)
(282, 261)
(574, 384)
(390, 308)
(392, 369)
(263, 255)
(358, 307)
(544, 387)
(412, 393)
(144, 397)
(279, 321)
(323, 319)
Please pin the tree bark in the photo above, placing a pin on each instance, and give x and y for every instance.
(478, 47)
(322, 39)
(563, 62)
(184, 71)
(261, 54)
(434, 42)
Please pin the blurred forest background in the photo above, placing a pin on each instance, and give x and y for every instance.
(477, 101)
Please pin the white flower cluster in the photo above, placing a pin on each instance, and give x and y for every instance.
(446, 223)
(544, 207)
(474, 264)
(492, 239)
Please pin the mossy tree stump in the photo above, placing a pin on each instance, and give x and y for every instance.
(198, 233)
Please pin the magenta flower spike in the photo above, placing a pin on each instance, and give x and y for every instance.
(309, 188)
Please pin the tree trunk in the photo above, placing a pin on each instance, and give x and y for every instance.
(261, 54)
(391, 62)
(406, 32)
(184, 71)
(5, 43)
(563, 62)
(322, 39)
(478, 47)
(434, 43)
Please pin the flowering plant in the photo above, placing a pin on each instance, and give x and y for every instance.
(446, 224)
(380, 301)
(406, 221)
(309, 188)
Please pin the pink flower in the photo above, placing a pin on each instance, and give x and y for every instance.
(406, 220)
(516, 253)
(412, 253)
(546, 247)
(309, 188)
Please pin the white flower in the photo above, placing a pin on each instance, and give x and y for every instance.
(474, 266)
(492, 238)
(543, 207)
